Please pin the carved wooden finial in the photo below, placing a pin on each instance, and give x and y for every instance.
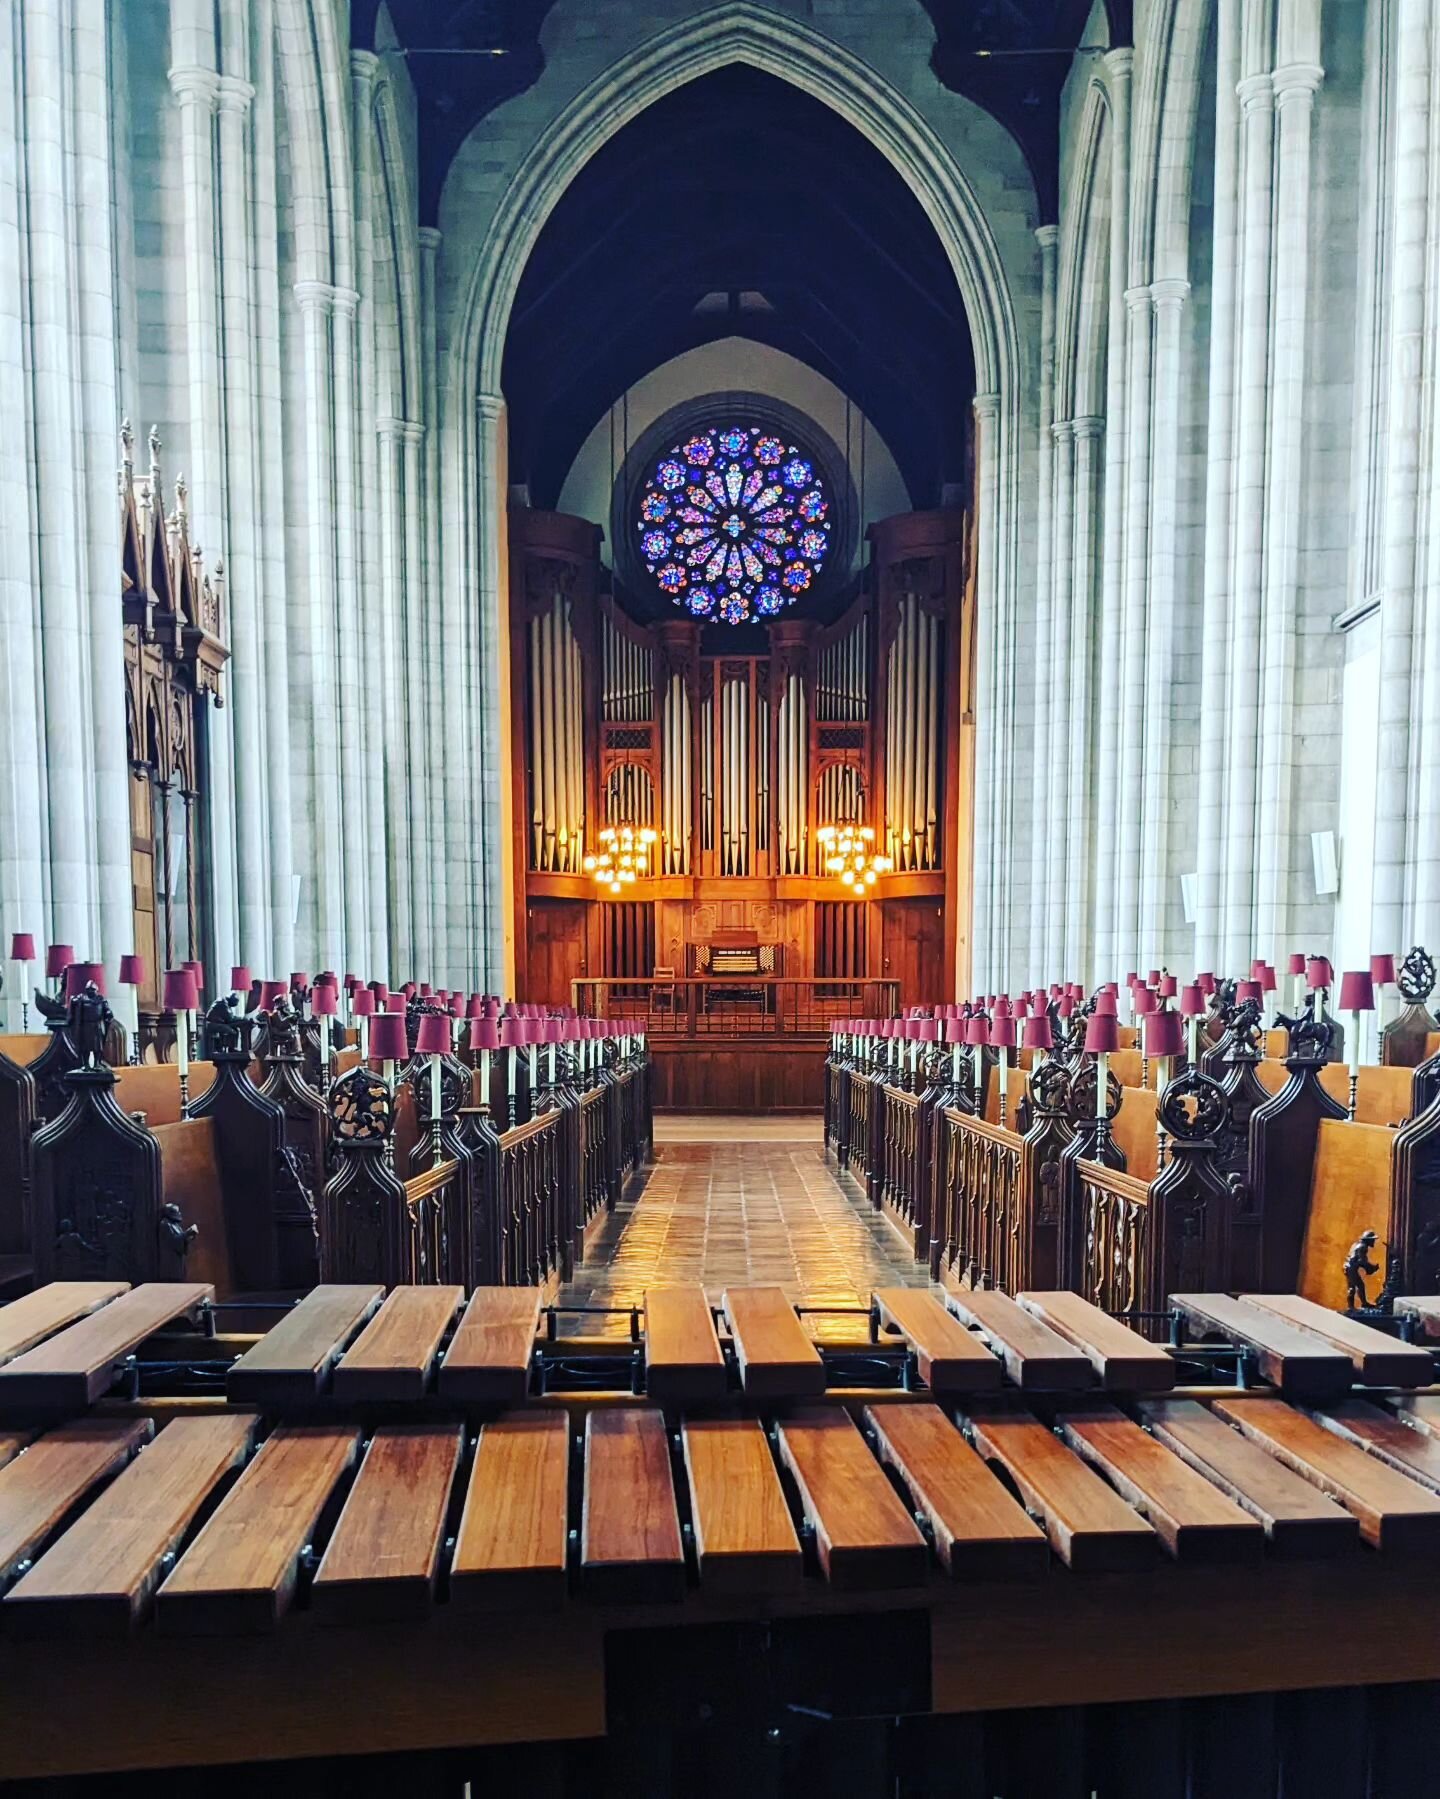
(182, 500)
(155, 456)
(127, 447)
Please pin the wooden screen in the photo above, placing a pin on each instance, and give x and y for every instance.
(627, 938)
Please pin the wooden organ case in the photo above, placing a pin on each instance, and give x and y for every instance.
(735, 759)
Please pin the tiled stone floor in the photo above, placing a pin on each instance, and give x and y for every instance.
(736, 1212)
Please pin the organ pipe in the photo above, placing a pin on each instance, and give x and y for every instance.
(557, 757)
(913, 687)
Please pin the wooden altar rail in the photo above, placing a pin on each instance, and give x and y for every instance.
(723, 1005)
(530, 1212)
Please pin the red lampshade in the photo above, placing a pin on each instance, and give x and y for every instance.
(1319, 973)
(362, 1003)
(475, 1007)
(395, 1004)
(977, 1032)
(484, 1033)
(1065, 1005)
(1192, 1001)
(198, 970)
(1357, 991)
(327, 978)
(408, 989)
(1169, 986)
(1153, 978)
(271, 992)
(1105, 1004)
(1002, 1033)
(929, 1031)
(1296, 965)
(1257, 969)
(179, 991)
(512, 1033)
(1382, 970)
(239, 978)
(388, 1042)
(1003, 1008)
(324, 1000)
(299, 979)
(22, 947)
(1131, 978)
(433, 1038)
(132, 971)
(1163, 1034)
(79, 974)
(1055, 989)
(424, 989)
(1144, 1001)
(457, 1005)
(1267, 978)
(1102, 1034)
(352, 981)
(1205, 982)
(58, 958)
(1039, 1033)
(1248, 990)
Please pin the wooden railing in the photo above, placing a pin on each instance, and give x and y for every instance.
(727, 1005)
(983, 1235)
(902, 1163)
(528, 1201)
(1109, 1239)
(434, 1240)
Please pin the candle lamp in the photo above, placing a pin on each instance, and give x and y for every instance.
(1002, 1039)
(362, 1008)
(1318, 977)
(132, 975)
(485, 1039)
(58, 957)
(1162, 1044)
(324, 1004)
(1102, 1039)
(977, 1036)
(1039, 1036)
(389, 1047)
(1295, 968)
(179, 996)
(1357, 995)
(512, 1041)
(433, 1042)
(1192, 1010)
(22, 954)
(1382, 975)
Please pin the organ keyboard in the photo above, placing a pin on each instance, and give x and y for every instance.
(472, 1519)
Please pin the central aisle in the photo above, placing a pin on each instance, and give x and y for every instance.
(745, 1209)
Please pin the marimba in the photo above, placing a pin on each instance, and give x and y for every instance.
(983, 1520)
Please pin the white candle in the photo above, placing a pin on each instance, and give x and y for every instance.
(1102, 1078)
(979, 1066)
(1194, 1024)
(324, 1048)
(435, 1089)
(182, 1042)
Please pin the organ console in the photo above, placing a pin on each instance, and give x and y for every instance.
(492, 1523)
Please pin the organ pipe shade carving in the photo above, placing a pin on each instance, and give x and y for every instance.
(842, 689)
(914, 682)
(557, 751)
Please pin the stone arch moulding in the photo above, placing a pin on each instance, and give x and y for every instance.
(823, 68)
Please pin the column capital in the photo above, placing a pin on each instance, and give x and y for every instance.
(491, 407)
(324, 296)
(364, 64)
(987, 406)
(429, 237)
(1047, 236)
(1256, 93)
(232, 94)
(1138, 298)
(1120, 62)
(1063, 431)
(1088, 427)
(408, 431)
(193, 85)
(1171, 290)
(1296, 80)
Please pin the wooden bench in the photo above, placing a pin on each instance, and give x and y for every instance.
(1034, 1357)
(949, 1358)
(773, 1352)
(683, 1358)
(510, 1550)
(488, 1361)
(292, 1362)
(79, 1363)
(1123, 1360)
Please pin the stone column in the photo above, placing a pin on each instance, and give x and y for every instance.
(487, 705)
(1167, 300)
(1212, 849)
(989, 888)
(409, 867)
(449, 833)
(1294, 82)
(1076, 798)
(1046, 570)
(1135, 727)
(1049, 818)
(1393, 918)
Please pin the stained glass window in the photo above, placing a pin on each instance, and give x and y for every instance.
(734, 522)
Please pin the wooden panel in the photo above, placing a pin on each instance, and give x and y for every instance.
(39, 1489)
(950, 1359)
(742, 1077)
(743, 1535)
(33, 1317)
(1384, 1095)
(1349, 1193)
(555, 949)
(1378, 1360)
(1394, 1441)
(154, 1089)
(292, 1361)
(190, 1179)
(23, 1049)
(512, 1543)
(980, 1532)
(100, 1577)
(630, 1535)
(240, 1572)
(1034, 1357)
(683, 1359)
(488, 1361)
(912, 935)
(1297, 1518)
(1425, 1310)
(384, 1557)
(1191, 1517)
(77, 1366)
(1124, 1360)
(1134, 1130)
(394, 1356)
(775, 1356)
(863, 1535)
(1299, 1364)
(1394, 1513)
(1089, 1526)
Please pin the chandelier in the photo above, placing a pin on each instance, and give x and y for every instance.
(849, 851)
(624, 855)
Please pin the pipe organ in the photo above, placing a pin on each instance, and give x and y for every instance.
(736, 745)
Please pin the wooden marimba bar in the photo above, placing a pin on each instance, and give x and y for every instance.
(1027, 1513)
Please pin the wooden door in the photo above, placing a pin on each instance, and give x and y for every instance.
(555, 949)
(912, 942)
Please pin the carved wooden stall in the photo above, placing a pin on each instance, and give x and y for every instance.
(734, 748)
(174, 653)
